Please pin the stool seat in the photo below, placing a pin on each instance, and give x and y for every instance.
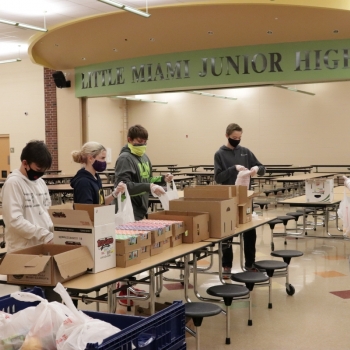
(307, 211)
(200, 309)
(287, 253)
(249, 277)
(270, 265)
(285, 218)
(228, 291)
(274, 222)
(296, 214)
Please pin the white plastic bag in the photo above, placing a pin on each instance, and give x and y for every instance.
(125, 212)
(170, 194)
(243, 178)
(344, 214)
(14, 328)
(48, 318)
(79, 329)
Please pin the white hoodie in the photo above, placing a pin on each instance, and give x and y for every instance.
(25, 206)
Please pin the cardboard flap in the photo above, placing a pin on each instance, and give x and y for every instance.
(74, 262)
(99, 214)
(69, 217)
(21, 264)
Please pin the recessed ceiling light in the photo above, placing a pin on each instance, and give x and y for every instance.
(269, 32)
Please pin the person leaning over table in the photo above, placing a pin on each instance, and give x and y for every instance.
(87, 183)
(25, 203)
(134, 168)
(229, 160)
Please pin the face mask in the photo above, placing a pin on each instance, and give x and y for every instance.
(234, 143)
(138, 150)
(99, 166)
(34, 175)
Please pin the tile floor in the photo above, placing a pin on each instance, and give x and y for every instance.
(315, 317)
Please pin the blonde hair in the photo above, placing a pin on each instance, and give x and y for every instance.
(89, 148)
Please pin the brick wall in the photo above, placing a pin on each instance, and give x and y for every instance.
(51, 116)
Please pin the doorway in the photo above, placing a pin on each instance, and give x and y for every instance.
(4, 156)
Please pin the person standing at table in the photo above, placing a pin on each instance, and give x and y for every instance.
(25, 203)
(229, 160)
(134, 168)
(87, 183)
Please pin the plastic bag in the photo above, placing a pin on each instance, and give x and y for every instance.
(170, 194)
(48, 318)
(79, 329)
(243, 178)
(125, 212)
(344, 214)
(14, 328)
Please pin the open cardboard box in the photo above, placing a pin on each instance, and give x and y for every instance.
(46, 264)
(196, 223)
(91, 226)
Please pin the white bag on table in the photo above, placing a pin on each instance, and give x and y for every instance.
(170, 194)
(80, 329)
(125, 212)
(344, 214)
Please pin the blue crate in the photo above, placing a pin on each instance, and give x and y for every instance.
(11, 305)
(164, 330)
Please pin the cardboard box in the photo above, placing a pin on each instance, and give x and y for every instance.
(319, 190)
(166, 225)
(156, 248)
(176, 226)
(176, 240)
(145, 252)
(196, 223)
(158, 234)
(129, 259)
(212, 191)
(91, 226)
(166, 244)
(245, 199)
(222, 213)
(46, 264)
(126, 243)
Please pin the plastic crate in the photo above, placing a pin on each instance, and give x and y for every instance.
(11, 305)
(164, 330)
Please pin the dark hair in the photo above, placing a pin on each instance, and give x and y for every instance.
(233, 127)
(137, 131)
(37, 152)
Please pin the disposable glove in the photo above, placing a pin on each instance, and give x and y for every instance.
(240, 168)
(168, 177)
(254, 170)
(157, 190)
(346, 182)
(121, 187)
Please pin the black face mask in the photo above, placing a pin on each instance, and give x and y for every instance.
(34, 175)
(234, 143)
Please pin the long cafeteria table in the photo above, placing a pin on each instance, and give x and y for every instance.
(288, 170)
(57, 178)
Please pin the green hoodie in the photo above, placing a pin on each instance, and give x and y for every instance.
(136, 173)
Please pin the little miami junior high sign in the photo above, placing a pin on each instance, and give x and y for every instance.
(248, 65)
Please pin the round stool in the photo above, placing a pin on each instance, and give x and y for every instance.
(270, 266)
(262, 204)
(285, 219)
(229, 292)
(197, 311)
(287, 256)
(272, 227)
(296, 215)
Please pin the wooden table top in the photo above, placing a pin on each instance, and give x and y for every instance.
(303, 177)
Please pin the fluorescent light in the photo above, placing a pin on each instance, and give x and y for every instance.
(28, 26)
(11, 60)
(294, 89)
(22, 25)
(125, 7)
(212, 95)
(140, 99)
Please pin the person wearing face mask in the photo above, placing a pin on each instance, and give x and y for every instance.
(134, 168)
(26, 200)
(87, 183)
(229, 160)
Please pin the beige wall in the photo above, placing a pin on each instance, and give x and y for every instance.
(21, 91)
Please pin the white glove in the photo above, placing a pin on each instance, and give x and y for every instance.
(254, 170)
(168, 177)
(157, 190)
(240, 167)
(346, 182)
(121, 187)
